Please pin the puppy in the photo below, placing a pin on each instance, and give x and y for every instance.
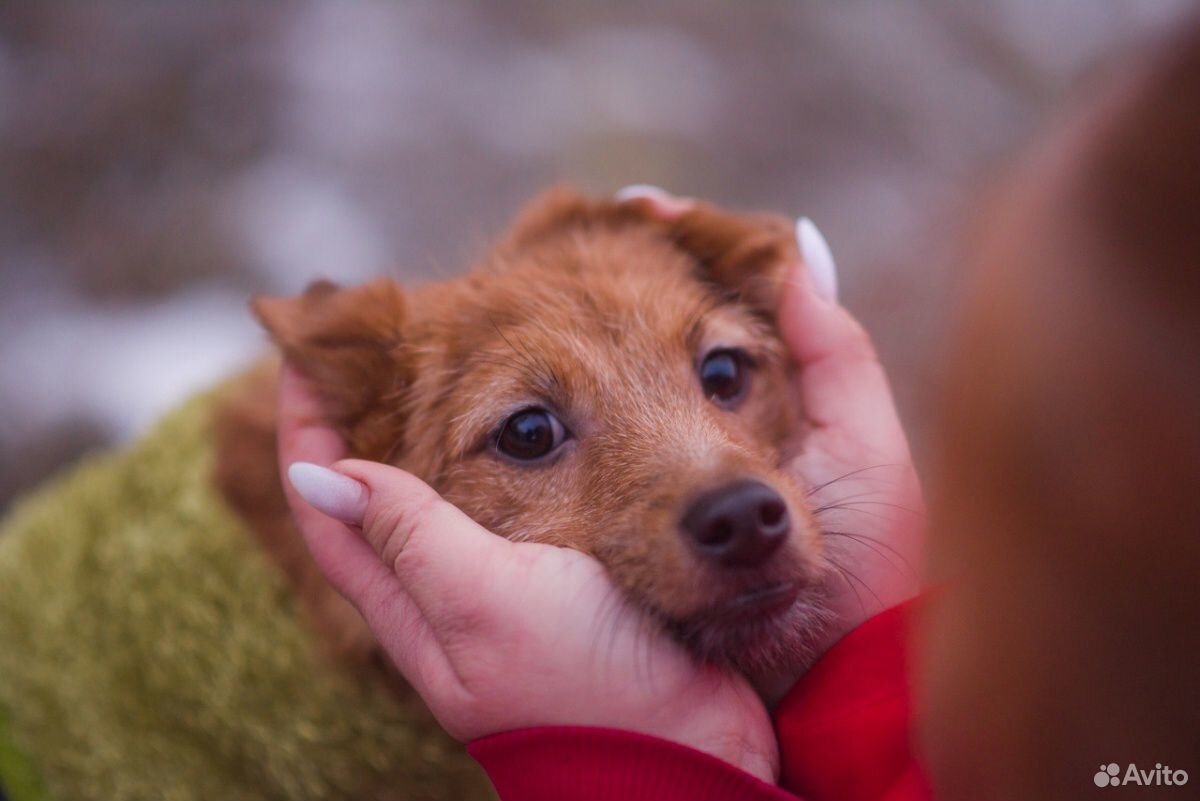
(605, 380)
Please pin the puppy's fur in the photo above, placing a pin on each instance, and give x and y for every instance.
(600, 313)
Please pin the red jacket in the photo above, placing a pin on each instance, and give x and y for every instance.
(843, 730)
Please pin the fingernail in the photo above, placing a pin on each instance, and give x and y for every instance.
(662, 203)
(329, 492)
(635, 191)
(815, 252)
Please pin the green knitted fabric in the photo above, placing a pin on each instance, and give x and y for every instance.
(17, 778)
(149, 650)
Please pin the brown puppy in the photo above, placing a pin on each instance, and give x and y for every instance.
(605, 381)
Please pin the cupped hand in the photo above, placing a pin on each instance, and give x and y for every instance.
(496, 635)
(854, 458)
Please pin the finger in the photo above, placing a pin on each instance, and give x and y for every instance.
(349, 563)
(303, 434)
(355, 569)
(842, 384)
(818, 258)
(442, 558)
(659, 202)
(346, 558)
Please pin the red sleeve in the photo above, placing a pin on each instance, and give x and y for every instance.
(843, 733)
(845, 729)
(575, 763)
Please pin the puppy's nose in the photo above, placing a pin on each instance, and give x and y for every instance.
(738, 525)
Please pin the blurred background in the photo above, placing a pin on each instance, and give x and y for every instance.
(160, 163)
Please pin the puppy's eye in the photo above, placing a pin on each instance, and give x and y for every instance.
(530, 434)
(724, 375)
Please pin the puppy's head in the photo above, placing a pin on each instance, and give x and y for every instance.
(605, 381)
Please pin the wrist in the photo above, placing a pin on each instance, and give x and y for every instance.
(730, 723)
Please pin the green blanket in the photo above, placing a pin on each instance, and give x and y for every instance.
(149, 650)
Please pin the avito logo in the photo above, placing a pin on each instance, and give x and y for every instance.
(1110, 775)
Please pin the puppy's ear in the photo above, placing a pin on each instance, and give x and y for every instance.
(744, 254)
(349, 343)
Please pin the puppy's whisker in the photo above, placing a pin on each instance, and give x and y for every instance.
(875, 545)
(832, 481)
(850, 584)
(849, 574)
(864, 537)
(608, 620)
(826, 510)
(643, 654)
(866, 493)
(852, 504)
(841, 503)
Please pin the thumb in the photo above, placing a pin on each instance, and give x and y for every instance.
(441, 556)
(842, 384)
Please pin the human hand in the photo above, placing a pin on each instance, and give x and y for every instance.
(496, 635)
(854, 459)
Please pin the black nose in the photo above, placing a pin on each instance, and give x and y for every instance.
(738, 525)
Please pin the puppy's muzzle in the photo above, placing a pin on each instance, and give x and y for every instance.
(738, 525)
